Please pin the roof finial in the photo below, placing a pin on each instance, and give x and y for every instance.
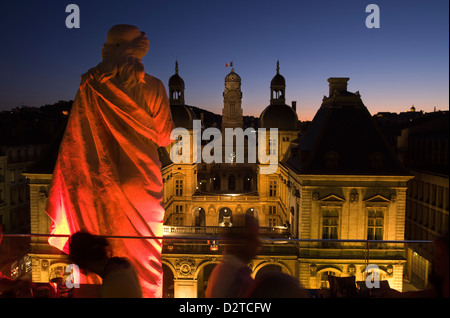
(278, 67)
(176, 66)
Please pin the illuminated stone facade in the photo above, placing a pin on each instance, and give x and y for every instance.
(337, 181)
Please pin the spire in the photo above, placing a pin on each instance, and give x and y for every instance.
(277, 88)
(176, 88)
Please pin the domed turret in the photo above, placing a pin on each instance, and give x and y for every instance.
(176, 88)
(278, 88)
(282, 117)
(278, 80)
(182, 116)
(278, 114)
(232, 77)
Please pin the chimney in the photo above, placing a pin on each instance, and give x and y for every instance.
(338, 84)
(294, 105)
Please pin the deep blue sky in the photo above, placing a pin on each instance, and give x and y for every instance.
(405, 62)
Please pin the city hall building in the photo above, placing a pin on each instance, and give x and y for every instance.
(335, 187)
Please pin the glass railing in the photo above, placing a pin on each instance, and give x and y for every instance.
(190, 254)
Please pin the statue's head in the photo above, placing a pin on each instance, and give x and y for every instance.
(125, 40)
(122, 55)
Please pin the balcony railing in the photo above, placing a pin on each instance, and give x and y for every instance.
(216, 231)
(18, 251)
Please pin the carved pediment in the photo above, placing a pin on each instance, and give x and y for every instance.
(378, 198)
(332, 198)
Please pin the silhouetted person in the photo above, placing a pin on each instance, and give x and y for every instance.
(90, 252)
(231, 278)
(277, 285)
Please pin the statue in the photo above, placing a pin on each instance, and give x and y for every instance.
(107, 178)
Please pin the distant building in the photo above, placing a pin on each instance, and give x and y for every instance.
(424, 149)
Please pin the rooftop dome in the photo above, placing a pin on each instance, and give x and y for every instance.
(282, 117)
(278, 79)
(232, 77)
(176, 80)
(182, 116)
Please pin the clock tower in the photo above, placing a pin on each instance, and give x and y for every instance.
(232, 102)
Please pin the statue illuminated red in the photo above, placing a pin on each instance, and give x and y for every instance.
(107, 179)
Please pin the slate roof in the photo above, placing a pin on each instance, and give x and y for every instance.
(344, 140)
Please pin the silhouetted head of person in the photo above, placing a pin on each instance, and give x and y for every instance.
(242, 238)
(277, 285)
(89, 252)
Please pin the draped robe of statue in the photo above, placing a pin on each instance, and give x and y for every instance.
(107, 179)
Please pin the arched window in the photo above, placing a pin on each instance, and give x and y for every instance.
(225, 217)
(199, 217)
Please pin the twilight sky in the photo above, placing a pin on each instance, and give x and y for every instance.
(404, 62)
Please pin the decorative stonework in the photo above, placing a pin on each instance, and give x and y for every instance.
(354, 196)
(312, 269)
(185, 266)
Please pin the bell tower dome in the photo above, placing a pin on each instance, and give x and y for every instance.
(232, 102)
(278, 88)
(176, 88)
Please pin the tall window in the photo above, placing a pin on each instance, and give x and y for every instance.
(272, 215)
(272, 188)
(272, 209)
(232, 109)
(330, 223)
(272, 146)
(179, 187)
(178, 209)
(178, 219)
(231, 182)
(375, 220)
(216, 183)
(200, 217)
(272, 222)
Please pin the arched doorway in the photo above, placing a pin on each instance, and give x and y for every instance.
(269, 268)
(252, 212)
(168, 285)
(225, 217)
(323, 274)
(202, 279)
(200, 217)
